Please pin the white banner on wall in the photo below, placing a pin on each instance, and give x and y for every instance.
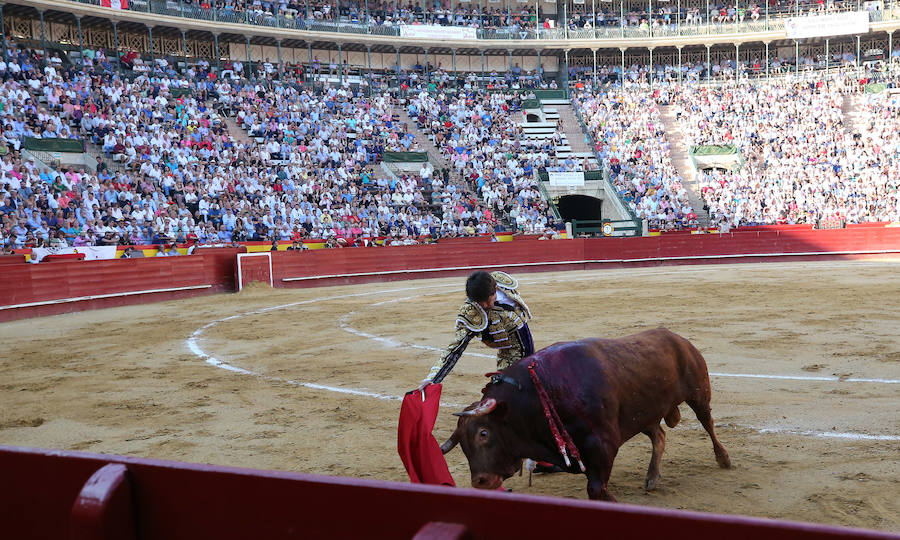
(91, 253)
(435, 31)
(566, 178)
(835, 24)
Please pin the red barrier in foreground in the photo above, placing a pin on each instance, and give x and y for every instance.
(53, 494)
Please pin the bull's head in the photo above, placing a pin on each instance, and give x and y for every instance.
(487, 442)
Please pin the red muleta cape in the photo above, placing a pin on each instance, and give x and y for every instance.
(419, 450)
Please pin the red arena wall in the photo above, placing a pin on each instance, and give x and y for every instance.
(28, 290)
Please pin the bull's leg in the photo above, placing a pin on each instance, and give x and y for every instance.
(701, 409)
(599, 461)
(658, 438)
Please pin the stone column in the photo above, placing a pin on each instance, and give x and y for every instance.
(280, 62)
(483, 83)
(2, 32)
(679, 63)
(708, 63)
(455, 74)
(116, 45)
(81, 41)
(43, 41)
(216, 52)
(184, 46)
(249, 61)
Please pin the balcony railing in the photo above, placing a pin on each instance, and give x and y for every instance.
(678, 24)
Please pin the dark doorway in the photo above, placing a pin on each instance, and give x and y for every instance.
(579, 207)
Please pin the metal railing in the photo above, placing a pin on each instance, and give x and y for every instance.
(773, 21)
(546, 195)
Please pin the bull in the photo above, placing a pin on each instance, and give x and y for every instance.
(605, 391)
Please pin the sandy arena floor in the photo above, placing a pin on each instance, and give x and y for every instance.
(821, 446)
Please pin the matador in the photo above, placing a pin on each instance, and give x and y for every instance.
(495, 311)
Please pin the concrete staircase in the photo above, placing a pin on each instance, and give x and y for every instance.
(852, 113)
(237, 131)
(570, 126)
(435, 156)
(681, 159)
(560, 117)
(93, 150)
(96, 151)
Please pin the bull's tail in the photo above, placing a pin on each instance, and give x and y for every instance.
(673, 417)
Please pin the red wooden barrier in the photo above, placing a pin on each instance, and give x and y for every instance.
(433, 260)
(12, 259)
(52, 494)
(796, 227)
(31, 290)
(868, 225)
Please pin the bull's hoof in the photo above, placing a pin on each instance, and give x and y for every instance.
(651, 483)
(724, 461)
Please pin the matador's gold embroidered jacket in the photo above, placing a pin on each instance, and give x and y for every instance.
(497, 328)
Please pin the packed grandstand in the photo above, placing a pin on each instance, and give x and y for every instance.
(222, 148)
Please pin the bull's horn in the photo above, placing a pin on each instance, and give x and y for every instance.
(481, 409)
(449, 444)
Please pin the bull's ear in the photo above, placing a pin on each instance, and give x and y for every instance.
(483, 408)
(450, 443)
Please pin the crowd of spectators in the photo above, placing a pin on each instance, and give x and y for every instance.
(511, 18)
(668, 17)
(174, 170)
(299, 162)
(373, 13)
(803, 161)
(727, 69)
(481, 134)
(631, 141)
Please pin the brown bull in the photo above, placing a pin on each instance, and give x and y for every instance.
(605, 392)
